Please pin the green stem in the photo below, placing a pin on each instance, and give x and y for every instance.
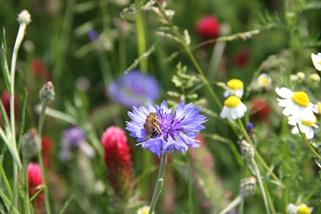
(231, 205)
(258, 175)
(316, 154)
(255, 167)
(159, 183)
(257, 154)
(40, 127)
(141, 39)
(19, 38)
(203, 77)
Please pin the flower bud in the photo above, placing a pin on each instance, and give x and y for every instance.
(30, 144)
(300, 75)
(35, 182)
(118, 161)
(24, 17)
(47, 93)
(248, 186)
(247, 150)
(315, 77)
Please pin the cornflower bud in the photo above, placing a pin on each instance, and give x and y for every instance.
(24, 17)
(247, 150)
(30, 144)
(47, 93)
(248, 186)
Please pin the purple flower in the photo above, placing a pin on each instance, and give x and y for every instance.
(134, 88)
(92, 35)
(179, 127)
(73, 137)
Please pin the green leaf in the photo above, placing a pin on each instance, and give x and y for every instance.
(3, 60)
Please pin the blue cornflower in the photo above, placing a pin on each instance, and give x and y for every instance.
(74, 139)
(92, 35)
(134, 88)
(178, 127)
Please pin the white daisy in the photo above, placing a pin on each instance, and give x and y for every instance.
(296, 104)
(234, 87)
(233, 108)
(306, 126)
(264, 81)
(316, 60)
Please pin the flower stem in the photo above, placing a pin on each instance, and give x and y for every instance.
(257, 154)
(159, 183)
(141, 39)
(40, 127)
(259, 178)
(19, 38)
(316, 154)
(255, 167)
(231, 205)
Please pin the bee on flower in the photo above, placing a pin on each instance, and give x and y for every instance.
(234, 87)
(306, 126)
(264, 81)
(161, 129)
(316, 60)
(233, 108)
(295, 103)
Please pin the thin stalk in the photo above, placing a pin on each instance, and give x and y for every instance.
(231, 205)
(159, 183)
(257, 154)
(241, 207)
(255, 167)
(316, 154)
(259, 178)
(203, 77)
(141, 38)
(40, 127)
(19, 38)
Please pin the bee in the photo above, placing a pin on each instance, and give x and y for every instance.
(151, 125)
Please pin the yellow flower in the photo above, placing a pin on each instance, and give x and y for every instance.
(234, 87)
(143, 210)
(233, 108)
(303, 209)
(264, 81)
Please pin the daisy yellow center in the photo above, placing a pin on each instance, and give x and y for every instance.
(264, 81)
(303, 209)
(301, 98)
(232, 102)
(308, 123)
(235, 84)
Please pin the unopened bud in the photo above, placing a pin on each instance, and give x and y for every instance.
(24, 17)
(47, 93)
(30, 143)
(248, 186)
(315, 77)
(247, 150)
(301, 75)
